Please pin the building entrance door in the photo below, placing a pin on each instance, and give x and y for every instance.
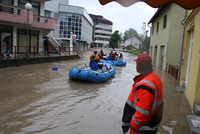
(3, 35)
(189, 58)
(162, 56)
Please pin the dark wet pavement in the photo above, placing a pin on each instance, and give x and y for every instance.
(37, 99)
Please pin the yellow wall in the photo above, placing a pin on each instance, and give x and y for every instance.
(175, 36)
(197, 93)
(192, 91)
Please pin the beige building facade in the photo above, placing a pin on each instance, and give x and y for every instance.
(166, 35)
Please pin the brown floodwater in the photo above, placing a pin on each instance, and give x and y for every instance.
(37, 99)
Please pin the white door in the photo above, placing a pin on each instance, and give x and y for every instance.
(162, 55)
(189, 58)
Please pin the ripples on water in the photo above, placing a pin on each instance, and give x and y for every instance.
(37, 99)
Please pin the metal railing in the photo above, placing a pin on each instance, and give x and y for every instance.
(14, 14)
(10, 9)
(39, 51)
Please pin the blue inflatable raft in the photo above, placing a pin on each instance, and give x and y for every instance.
(115, 62)
(93, 75)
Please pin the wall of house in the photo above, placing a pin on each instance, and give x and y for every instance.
(56, 32)
(197, 93)
(159, 39)
(192, 91)
(166, 43)
(175, 36)
(133, 41)
(86, 31)
(50, 5)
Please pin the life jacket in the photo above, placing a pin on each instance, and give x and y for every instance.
(109, 58)
(140, 115)
(93, 59)
(110, 54)
(100, 54)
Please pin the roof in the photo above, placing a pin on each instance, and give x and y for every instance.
(100, 19)
(132, 37)
(187, 4)
(160, 9)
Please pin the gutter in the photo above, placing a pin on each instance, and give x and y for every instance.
(179, 67)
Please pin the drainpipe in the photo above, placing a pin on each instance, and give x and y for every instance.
(179, 67)
(150, 39)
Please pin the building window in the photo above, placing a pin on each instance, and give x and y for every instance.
(47, 14)
(164, 21)
(70, 23)
(35, 6)
(157, 26)
(152, 30)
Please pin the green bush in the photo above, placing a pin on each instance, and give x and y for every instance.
(135, 52)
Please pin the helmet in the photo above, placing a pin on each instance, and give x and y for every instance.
(95, 51)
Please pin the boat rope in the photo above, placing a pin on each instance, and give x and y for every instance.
(84, 63)
(125, 70)
(122, 69)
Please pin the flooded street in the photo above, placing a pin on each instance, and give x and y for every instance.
(37, 99)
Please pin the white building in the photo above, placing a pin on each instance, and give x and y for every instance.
(70, 19)
(102, 31)
(133, 42)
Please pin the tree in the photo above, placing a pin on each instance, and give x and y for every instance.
(115, 38)
(129, 33)
(145, 43)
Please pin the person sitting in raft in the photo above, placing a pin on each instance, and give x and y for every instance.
(111, 56)
(120, 57)
(94, 59)
(115, 56)
(101, 54)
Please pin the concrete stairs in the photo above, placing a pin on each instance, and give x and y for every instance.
(53, 42)
(194, 120)
(56, 45)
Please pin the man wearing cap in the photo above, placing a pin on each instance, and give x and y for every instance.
(144, 107)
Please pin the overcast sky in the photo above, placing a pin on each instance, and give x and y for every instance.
(123, 18)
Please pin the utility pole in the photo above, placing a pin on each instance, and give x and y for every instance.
(145, 49)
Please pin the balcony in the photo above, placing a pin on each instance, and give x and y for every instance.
(13, 14)
(103, 32)
(43, 22)
(102, 36)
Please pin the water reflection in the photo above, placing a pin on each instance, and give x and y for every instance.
(37, 99)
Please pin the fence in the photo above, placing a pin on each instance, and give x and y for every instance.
(173, 70)
(38, 51)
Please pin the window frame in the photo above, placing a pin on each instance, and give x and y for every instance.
(165, 21)
(157, 29)
(152, 30)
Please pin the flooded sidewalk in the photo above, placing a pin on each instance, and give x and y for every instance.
(176, 106)
(37, 99)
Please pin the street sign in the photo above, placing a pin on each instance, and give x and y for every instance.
(73, 37)
(75, 41)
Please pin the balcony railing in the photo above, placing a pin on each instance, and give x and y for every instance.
(15, 14)
(38, 51)
(43, 22)
(10, 10)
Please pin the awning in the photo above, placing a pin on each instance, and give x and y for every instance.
(187, 4)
